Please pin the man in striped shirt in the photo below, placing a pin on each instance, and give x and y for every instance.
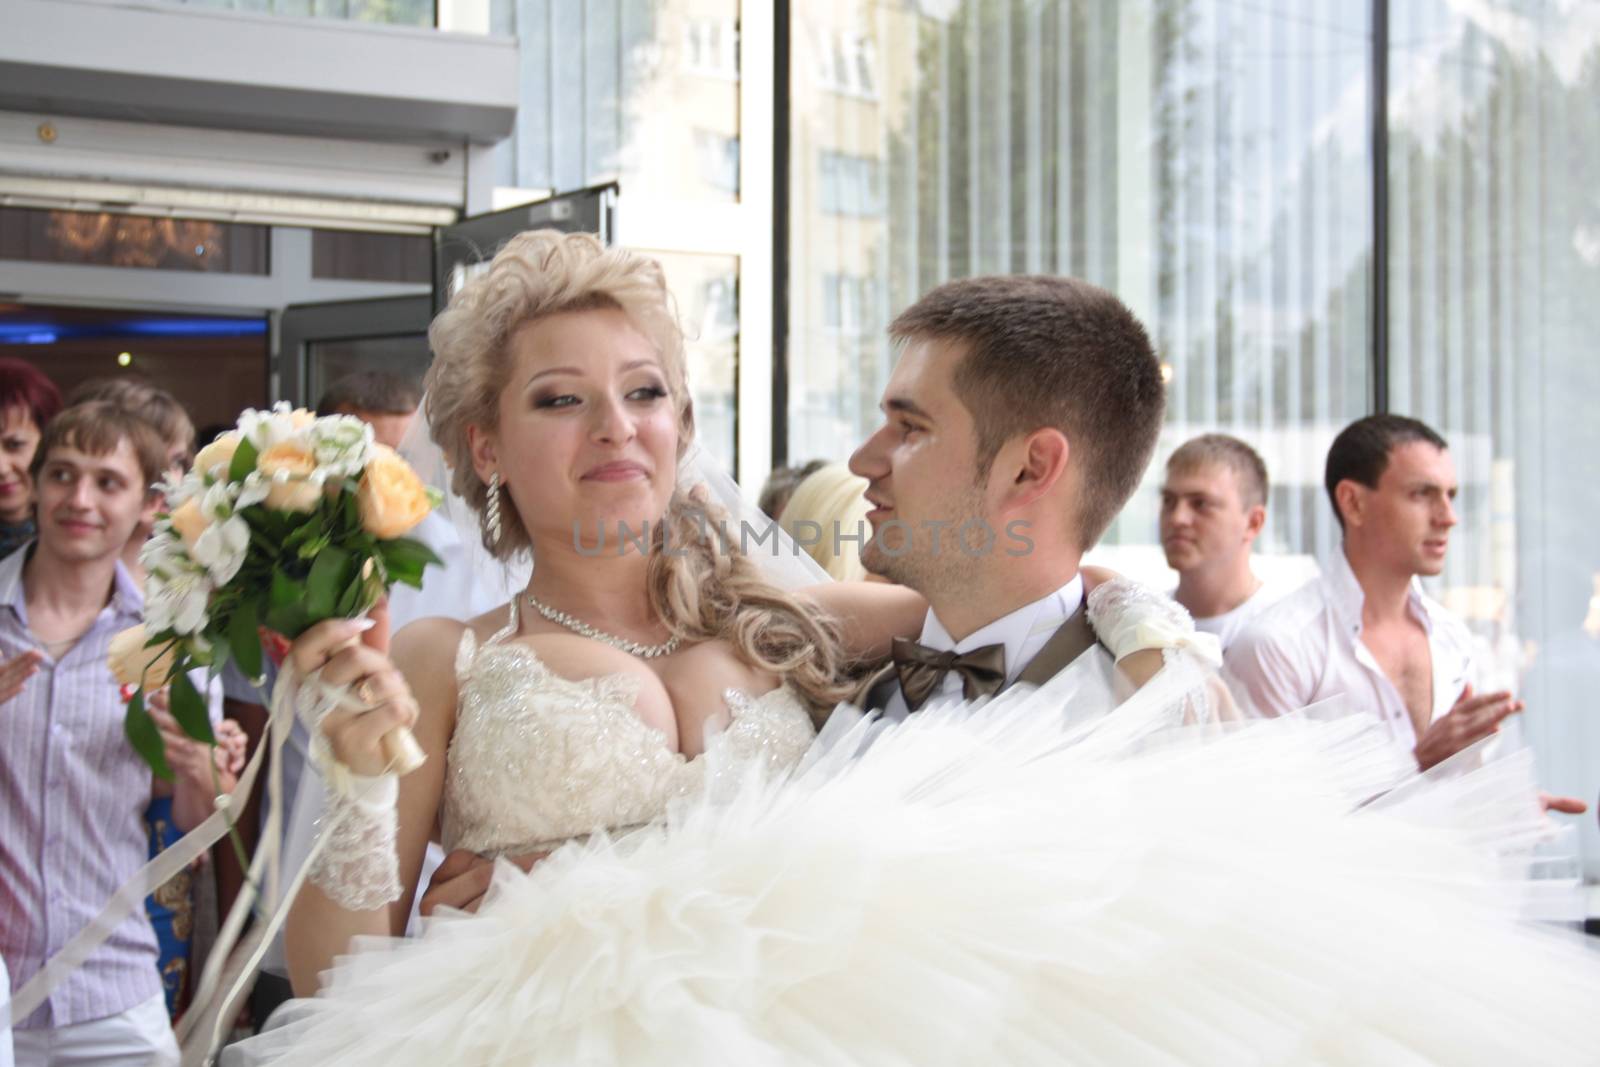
(72, 788)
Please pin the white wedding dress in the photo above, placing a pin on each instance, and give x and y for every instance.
(992, 884)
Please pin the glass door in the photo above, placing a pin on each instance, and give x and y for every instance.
(461, 249)
(320, 343)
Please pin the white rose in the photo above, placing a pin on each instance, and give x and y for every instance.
(221, 549)
(263, 429)
(341, 444)
(177, 602)
(183, 490)
(253, 490)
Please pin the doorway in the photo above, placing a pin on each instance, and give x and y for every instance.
(215, 365)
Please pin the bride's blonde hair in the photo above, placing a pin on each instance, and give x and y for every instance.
(702, 589)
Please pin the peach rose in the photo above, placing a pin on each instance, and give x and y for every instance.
(297, 493)
(300, 418)
(391, 496)
(189, 521)
(134, 664)
(218, 453)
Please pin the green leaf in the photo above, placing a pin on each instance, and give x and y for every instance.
(144, 737)
(330, 572)
(409, 573)
(313, 547)
(289, 620)
(404, 560)
(244, 640)
(189, 708)
(404, 549)
(350, 601)
(300, 536)
(285, 590)
(244, 461)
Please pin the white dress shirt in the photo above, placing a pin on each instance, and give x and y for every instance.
(1230, 624)
(1307, 648)
(1023, 633)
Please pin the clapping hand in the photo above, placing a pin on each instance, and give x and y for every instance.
(15, 672)
(195, 760)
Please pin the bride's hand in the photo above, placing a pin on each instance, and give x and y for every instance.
(1093, 576)
(352, 653)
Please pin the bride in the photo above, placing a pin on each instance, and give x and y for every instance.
(990, 884)
(559, 399)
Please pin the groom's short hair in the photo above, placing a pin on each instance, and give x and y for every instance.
(1051, 351)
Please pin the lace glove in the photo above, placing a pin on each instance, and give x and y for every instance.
(358, 866)
(357, 863)
(1129, 617)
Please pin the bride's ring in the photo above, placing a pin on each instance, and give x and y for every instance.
(364, 693)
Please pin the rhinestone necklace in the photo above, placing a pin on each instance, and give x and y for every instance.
(633, 648)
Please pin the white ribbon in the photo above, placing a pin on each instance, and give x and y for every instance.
(176, 857)
(227, 976)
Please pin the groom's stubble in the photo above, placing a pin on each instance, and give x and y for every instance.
(928, 555)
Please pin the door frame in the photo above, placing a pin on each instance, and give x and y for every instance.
(299, 326)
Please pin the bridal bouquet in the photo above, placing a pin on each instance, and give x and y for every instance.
(286, 521)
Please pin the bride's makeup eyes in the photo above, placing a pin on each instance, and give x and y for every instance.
(643, 394)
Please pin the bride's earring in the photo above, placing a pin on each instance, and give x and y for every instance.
(492, 509)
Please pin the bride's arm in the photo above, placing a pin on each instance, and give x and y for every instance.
(870, 614)
(1142, 627)
(320, 928)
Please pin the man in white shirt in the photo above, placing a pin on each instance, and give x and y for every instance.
(1020, 416)
(1213, 507)
(1365, 630)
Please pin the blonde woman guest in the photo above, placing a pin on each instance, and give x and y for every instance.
(827, 515)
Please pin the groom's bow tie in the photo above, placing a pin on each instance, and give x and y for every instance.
(921, 669)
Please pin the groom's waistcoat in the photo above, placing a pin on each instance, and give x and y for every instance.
(1071, 640)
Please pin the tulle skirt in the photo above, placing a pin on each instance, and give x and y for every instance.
(1008, 885)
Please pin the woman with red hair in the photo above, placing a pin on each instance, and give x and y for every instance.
(28, 400)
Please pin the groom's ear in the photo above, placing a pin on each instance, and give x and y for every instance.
(1037, 465)
(485, 458)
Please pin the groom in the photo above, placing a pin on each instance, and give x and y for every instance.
(1026, 407)
(1021, 414)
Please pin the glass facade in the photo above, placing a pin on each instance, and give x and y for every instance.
(1494, 246)
(644, 93)
(1211, 162)
(1205, 161)
(388, 12)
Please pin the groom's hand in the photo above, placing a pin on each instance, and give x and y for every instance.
(463, 878)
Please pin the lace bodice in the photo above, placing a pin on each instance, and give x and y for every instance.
(538, 759)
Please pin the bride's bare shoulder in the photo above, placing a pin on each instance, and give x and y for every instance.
(428, 639)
